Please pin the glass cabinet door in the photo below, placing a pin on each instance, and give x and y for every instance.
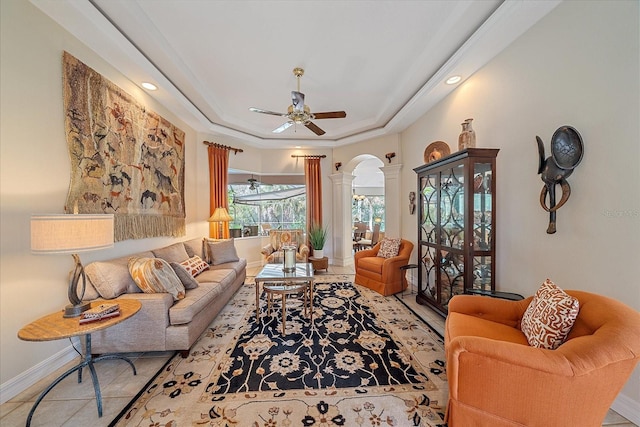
(429, 200)
(451, 276)
(428, 272)
(452, 207)
(482, 214)
(482, 226)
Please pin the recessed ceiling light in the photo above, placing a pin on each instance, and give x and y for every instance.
(453, 80)
(149, 86)
(298, 146)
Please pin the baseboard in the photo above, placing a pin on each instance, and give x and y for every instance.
(253, 264)
(628, 408)
(20, 383)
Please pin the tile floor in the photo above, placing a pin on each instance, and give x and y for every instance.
(70, 404)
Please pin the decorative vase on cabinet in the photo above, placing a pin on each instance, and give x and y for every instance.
(467, 138)
(456, 226)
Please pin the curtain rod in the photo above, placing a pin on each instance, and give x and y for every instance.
(235, 150)
(310, 156)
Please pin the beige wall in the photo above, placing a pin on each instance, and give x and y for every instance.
(579, 67)
(35, 175)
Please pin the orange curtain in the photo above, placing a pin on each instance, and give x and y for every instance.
(313, 181)
(218, 171)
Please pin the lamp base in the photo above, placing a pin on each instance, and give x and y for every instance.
(75, 310)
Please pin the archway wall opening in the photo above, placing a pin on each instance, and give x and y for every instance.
(382, 154)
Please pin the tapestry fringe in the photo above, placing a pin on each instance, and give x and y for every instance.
(143, 226)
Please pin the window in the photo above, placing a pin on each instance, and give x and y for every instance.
(367, 209)
(276, 205)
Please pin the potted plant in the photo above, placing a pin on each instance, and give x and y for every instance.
(317, 239)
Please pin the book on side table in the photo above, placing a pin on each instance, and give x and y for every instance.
(103, 311)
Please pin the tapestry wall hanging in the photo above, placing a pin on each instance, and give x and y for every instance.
(125, 159)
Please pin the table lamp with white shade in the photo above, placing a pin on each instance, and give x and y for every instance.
(71, 234)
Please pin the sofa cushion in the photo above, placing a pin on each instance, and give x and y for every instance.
(549, 317)
(205, 248)
(371, 263)
(462, 325)
(238, 266)
(172, 253)
(389, 247)
(155, 275)
(187, 279)
(223, 276)
(111, 278)
(195, 247)
(196, 300)
(222, 252)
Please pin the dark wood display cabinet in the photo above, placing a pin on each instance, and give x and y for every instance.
(456, 226)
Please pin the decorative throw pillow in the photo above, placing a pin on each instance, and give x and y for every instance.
(205, 248)
(549, 317)
(194, 265)
(172, 253)
(155, 275)
(389, 247)
(223, 251)
(185, 277)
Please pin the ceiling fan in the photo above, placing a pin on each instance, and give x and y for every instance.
(300, 114)
(253, 183)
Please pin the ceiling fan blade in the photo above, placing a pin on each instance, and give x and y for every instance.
(259, 110)
(315, 129)
(297, 99)
(282, 128)
(330, 115)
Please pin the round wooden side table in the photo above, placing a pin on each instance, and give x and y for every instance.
(54, 327)
(319, 263)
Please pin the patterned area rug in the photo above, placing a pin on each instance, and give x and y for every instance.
(365, 361)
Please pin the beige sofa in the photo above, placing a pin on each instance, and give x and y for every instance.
(163, 324)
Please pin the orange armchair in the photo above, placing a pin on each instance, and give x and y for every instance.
(496, 379)
(383, 275)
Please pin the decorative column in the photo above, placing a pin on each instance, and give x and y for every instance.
(392, 200)
(342, 231)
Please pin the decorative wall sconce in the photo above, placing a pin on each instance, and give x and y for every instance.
(337, 165)
(566, 153)
(390, 156)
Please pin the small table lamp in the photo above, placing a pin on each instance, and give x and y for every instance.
(70, 234)
(220, 215)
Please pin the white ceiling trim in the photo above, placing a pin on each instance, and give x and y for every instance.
(85, 22)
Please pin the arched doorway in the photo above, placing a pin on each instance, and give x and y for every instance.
(343, 203)
(368, 193)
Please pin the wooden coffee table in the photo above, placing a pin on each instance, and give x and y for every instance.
(276, 281)
(54, 327)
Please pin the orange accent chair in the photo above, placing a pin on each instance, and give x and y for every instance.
(496, 379)
(383, 275)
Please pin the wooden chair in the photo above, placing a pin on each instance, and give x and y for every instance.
(375, 237)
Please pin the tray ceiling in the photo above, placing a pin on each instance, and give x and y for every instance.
(383, 62)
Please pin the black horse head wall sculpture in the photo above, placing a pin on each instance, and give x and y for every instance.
(566, 154)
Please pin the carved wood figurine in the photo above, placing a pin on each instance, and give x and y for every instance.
(566, 154)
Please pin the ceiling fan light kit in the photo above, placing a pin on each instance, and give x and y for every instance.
(299, 113)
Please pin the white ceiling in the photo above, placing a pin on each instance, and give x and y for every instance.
(383, 62)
